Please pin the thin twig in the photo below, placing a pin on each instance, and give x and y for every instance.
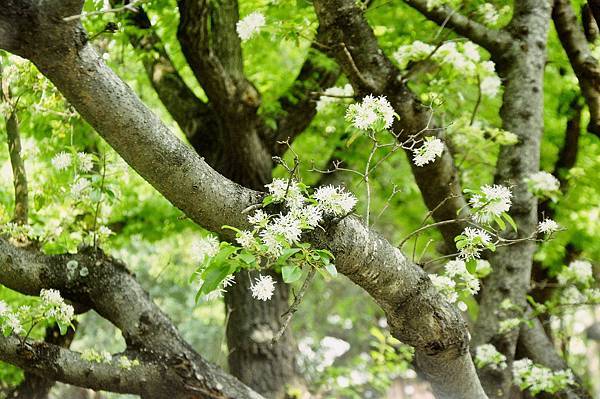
(126, 7)
(294, 308)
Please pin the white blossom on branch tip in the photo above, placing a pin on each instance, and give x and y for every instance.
(263, 287)
(334, 200)
(250, 25)
(431, 148)
(61, 161)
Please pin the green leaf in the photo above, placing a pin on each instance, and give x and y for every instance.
(286, 254)
(510, 221)
(247, 258)
(500, 222)
(471, 266)
(291, 274)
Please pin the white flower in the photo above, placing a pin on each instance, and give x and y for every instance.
(571, 296)
(431, 149)
(310, 215)
(287, 226)
(271, 241)
(334, 200)
(85, 161)
(462, 306)
(490, 86)
(543, 183)
(245, 238)
(493, 201)
(334, 95)
(205, 247)
(578, 271)
(488, 355)
(489, 13)
(548, 226)
(260, 218)
(12, 321)
(263, 287)
(229, 281)
(61, 161)
(474, 240)
(3, 308)
(471, 51)
(80, 185)
(56, 307)
(372, 113)
(104, 231)
(250, 25)
(51, 297)
(508, 325)
(445, 285)
(471, 283)
(286, 190)
(456, 268)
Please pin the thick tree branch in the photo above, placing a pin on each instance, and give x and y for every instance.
(490, 39)
(355, 48)
(60, 364)
(585, 66)
(418, 314)
(35, 386)
(115, 294)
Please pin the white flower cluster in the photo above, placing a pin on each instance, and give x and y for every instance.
(9, 321)
(507, 325)
(457, 280)
(471, 242)
(488, 13)
(55, 306)
(490, 202)
(431, 148)
(280, 231)
(373, 113)
(263, 287)
(86, 163)
(250, 25)
(334, 95)
(334, 200)
(543, 184)
(464, 58)
(547, 226)
(206, 247)
(578, 272)
(536, 378)
(488, 355)
(62, 160)
(79, 187)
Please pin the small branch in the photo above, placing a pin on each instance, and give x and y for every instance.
(126, 7)
(294, 308)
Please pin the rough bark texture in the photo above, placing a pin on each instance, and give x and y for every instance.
(521, 66)
(585, 66)
(35, 386)
(169, 367)
(417, 313)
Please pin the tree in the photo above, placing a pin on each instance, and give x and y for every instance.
(219, 181)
